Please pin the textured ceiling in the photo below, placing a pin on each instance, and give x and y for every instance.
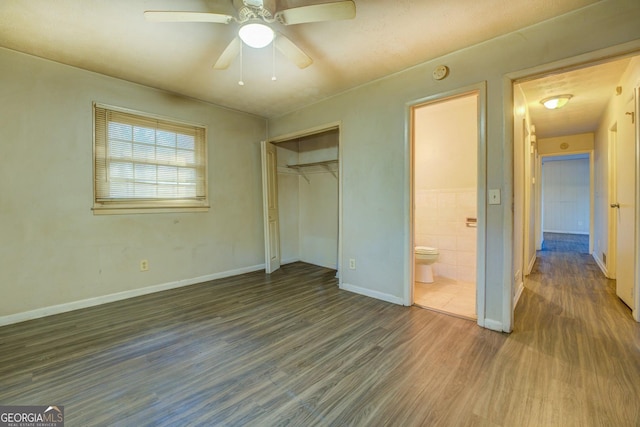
(592, 88)
(113, 38)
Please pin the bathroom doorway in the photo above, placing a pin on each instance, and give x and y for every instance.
(445, 147)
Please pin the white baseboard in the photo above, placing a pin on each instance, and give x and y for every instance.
(91, 302)
(370, 293)
(603, 267)
(494, 325)
(518, 293)
(530, 266)
(566, 232)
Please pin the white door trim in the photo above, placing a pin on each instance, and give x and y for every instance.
(313, 131)
(480, 89)
(576, 62)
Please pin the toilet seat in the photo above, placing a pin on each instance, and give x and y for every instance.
(426, 250)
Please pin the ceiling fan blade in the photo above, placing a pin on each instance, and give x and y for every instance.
(228, 55)
(318, 12)
(172, 16)
(292, 52)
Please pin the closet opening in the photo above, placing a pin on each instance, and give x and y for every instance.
(301, 193)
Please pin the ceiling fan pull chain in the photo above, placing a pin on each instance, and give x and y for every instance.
(273, 61)
(241, 81)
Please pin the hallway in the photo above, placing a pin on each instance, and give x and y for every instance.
(576, 348)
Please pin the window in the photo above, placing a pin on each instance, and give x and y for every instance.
(147, 164)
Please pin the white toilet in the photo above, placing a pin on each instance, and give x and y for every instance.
(425, 256)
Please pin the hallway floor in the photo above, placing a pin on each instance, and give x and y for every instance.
(560, 242)
(577, 361)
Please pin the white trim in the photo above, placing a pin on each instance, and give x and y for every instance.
(480, 90)
(531, 263)
(371, 293)
(507, 206)
(566, 64)
(598, 261)
(494, 325)
(516, 297)
(313, 131)
(91, 302)
(636, 275)
(582, 233)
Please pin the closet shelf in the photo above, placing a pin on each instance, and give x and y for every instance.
(325, 164)
(305, 165)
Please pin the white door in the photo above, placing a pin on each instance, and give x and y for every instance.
(625, 205)
(270, 207)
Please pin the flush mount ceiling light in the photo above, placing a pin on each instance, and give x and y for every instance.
(555, 102)
(256, 34)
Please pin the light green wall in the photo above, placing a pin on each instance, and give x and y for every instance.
(374, 144)
(53, 250)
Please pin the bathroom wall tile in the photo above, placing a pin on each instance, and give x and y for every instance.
(447, 243)
(447, 257)
(466, 259)
(467, 199)
(467, 232)
(447, 213)
(446, 199)
(420, 198)
(447, 271)
(426, 240)
(431, 241)
(420, 226)
(466, 243)
(440, 222)
(419, 239)
(432, 228)
(466, 274)
(445, 228)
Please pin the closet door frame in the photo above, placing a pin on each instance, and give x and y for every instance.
(314, 131)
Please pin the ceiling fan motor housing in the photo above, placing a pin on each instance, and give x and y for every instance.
(251, 9)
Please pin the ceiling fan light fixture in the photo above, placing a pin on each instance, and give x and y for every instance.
(555, 102)
(256, 35)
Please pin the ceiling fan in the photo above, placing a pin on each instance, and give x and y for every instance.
(256, 18)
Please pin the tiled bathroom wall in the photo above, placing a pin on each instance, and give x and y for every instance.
(441, 222)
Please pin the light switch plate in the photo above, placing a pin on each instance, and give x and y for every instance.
(494, 196)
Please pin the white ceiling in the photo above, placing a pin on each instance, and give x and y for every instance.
(113, 38)
(592, 88)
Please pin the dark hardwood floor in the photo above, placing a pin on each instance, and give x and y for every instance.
(293, 349)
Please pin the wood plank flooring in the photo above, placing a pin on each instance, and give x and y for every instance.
(293, 349)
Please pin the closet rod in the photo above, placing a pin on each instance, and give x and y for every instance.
(304, 165)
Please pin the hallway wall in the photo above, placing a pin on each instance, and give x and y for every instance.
(614, 113)
(566, 196)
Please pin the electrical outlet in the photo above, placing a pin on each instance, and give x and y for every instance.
(144, 265)
(352, 263)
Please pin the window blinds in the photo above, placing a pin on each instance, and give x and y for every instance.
(147, 161)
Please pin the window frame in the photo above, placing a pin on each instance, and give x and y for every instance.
(108, 206)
